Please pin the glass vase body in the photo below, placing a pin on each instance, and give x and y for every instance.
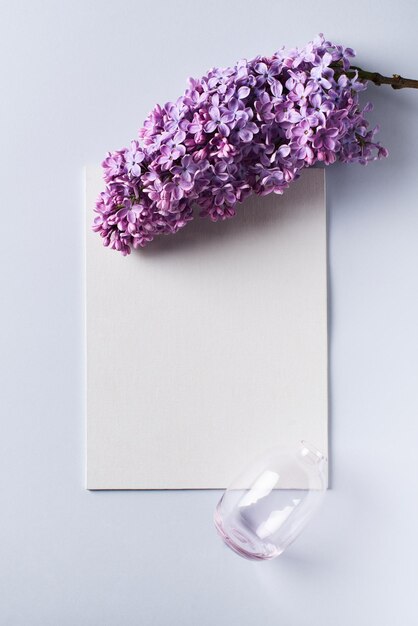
(269, 504)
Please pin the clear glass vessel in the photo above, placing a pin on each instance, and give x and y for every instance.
(269, 503)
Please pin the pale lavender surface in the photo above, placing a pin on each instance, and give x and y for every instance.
(72, 557)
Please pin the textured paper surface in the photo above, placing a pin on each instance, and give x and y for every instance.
(209, 346)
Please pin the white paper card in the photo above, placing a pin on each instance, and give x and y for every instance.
(209, 346)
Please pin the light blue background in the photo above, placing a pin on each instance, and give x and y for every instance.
(77, 79)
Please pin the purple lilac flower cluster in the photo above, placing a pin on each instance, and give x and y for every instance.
(250, 128)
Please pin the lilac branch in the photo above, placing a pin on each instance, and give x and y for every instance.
(395, 81)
